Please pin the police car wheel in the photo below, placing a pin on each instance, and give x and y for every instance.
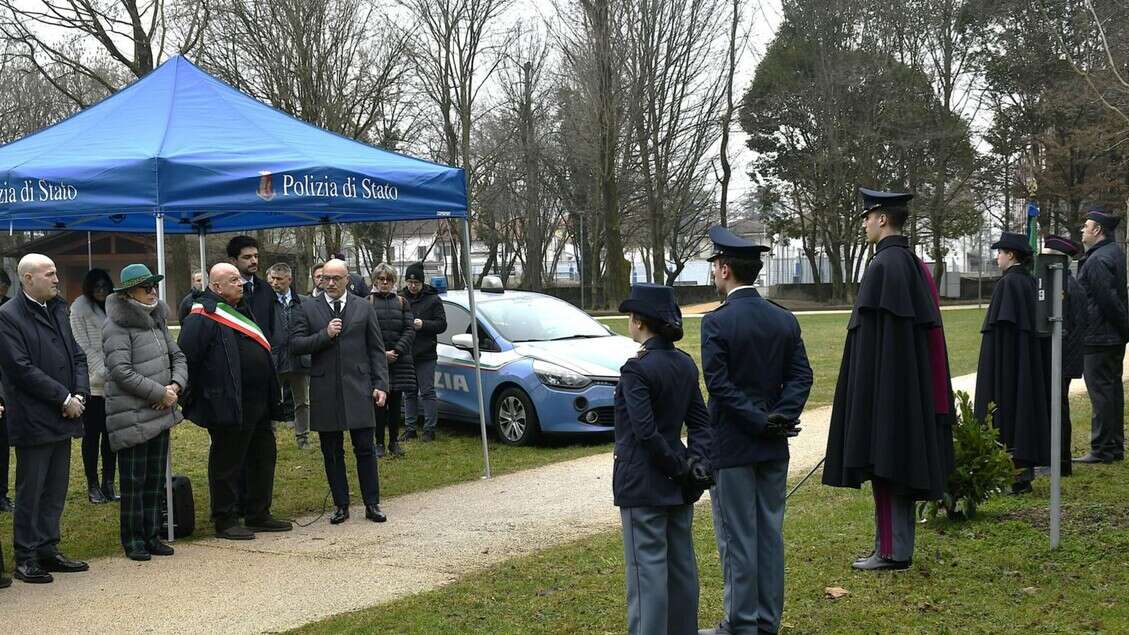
(515, 418)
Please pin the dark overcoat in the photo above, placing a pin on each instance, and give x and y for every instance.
(344, 370)
(427, 307)
(891, 405)
(41, 365)
(1014, 369)
(1102, 274)
(657, 392)
(214, 395)
(284, 359)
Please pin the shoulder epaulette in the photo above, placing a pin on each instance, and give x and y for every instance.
(718, 308)
(778, 304)
(642, 352)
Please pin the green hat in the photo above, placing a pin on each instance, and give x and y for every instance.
(136, 274)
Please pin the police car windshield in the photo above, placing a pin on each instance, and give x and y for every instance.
(537, 318)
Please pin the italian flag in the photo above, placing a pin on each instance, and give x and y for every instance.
(231, 318)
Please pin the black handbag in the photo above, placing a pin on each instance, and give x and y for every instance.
(183, 507)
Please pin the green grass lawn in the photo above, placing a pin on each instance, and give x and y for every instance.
(300, 486)
(824, 336)
(994, 574)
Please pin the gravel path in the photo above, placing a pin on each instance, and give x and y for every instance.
(281, 581)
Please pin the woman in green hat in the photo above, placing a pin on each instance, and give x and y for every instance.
(145, 373)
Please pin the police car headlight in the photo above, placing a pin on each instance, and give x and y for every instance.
(558, 376)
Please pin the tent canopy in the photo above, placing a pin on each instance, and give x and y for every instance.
(180, 142)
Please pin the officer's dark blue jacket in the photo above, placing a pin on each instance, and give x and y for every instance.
(658, 391)
(755, 364)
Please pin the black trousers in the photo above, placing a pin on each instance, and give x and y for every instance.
(142, 483)
(1067, 432)
(96, 438)
(1102, 370)
(42, 476)
(248, 448)
(333, 454)
(390, 417)
(5, 463)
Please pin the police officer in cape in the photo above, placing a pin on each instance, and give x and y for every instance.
(892, 414)
(758, 378)
(655, 479)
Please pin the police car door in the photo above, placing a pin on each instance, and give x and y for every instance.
(454, 372)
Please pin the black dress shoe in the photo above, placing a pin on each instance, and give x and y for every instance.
(268, 524)
(32, 573)
(408, 435)
(380, 450)
(94, 493)
(158, 548)
(395, 449)
(428, 436)
(373, 513)
(878, 563)
(340, 515)
(6, 504)
(1021, 487)
(5, 582)
(59, 563)
(140, 555)
(109, 492)
(235, 532)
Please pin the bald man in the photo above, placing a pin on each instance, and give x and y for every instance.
(233, 392)
(46, 384)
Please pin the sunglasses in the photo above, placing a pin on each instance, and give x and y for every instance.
(147, 287)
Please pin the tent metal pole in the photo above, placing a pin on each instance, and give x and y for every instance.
(89, 251)
(161, 286)
(203, 259)
(474, 339)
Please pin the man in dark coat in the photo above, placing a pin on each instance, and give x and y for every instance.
(757, 374)
(1073, 337)
(430, 321)
(1014, 368)
(46, 384)
(233, 392)
(293, 370)
(1102, 275)
(5, 447)
(243, 252)
(891, 417)
(348, 381)
(185, 306)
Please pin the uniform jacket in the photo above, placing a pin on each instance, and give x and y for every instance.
(343, 370)
(1102, 275)
(214, 396)
(87, 319)
(754, 362)
(41, 365)
(657, 392)
(394, 315)
(428, 308)
(284, 359)
(141, 359)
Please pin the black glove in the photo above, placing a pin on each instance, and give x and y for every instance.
(780, 426)
(681, 469)
(699, 474)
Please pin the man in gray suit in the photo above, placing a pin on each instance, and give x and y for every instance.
(293, 370)
(348, 381)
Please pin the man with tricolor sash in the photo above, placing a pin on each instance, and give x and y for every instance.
(233, 392)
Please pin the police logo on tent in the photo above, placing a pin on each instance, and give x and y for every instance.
(266, 186)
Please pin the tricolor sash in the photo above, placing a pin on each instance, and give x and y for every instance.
(231, 318)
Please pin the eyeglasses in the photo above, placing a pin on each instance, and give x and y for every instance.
(334, 279)
(385, 279)
(147, 287)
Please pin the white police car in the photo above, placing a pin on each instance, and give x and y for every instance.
(547, 366)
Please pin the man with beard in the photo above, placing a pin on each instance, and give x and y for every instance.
(892, 415)
(243, 252)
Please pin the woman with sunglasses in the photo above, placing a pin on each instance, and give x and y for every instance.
(395, 317)
(88, 314)
(145, 373)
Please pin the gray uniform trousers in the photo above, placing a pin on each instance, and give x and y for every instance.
(748, 518)
(422, 398)
(1102, 370)
(895, 522)
(662, 574)
(42, 475)
(300, 390)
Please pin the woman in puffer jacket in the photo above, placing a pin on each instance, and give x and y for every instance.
(145, 374)
(395, 317)
(88, 314)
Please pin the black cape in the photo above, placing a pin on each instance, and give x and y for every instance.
(891, 418)
(1014, 370)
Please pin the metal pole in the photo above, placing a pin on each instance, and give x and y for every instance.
(474, 339)
(203, 259)
(1056, 401)
(980, 278)
(89, 252)
(580, 260)
(161, 287)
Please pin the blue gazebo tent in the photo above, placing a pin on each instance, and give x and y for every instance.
(180, 151)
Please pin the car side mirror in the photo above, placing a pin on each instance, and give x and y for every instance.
(463, 341)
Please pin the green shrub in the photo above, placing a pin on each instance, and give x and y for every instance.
(982, 466)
